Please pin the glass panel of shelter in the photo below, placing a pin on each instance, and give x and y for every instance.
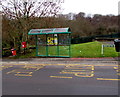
(53, 45)
(64, 45)
(52, 42)
(41, 45)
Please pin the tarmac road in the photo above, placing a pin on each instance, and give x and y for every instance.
(58, 76)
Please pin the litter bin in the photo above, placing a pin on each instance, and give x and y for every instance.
(13, 52)
(117, 45)
(23, 44)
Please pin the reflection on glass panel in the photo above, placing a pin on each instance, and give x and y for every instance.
(41, 50)
(53, 45)
(63, 50)
(64, 39)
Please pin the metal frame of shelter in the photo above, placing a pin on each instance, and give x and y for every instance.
(52, 42)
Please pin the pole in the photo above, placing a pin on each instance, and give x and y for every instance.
(36, 45)
(58, 44)
(69, 45)
(46, 45)
(102, 49)
(24, 51)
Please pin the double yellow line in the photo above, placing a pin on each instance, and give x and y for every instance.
(108, 79)
(60, 77)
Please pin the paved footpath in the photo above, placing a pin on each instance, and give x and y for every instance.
(56, 61)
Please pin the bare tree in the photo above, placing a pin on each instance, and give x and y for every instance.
(29, 8)
(23, 10)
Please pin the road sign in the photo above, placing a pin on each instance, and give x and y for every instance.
(106, 45)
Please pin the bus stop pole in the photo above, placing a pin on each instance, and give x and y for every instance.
(102, 49)
(36, 46)
(46, 45)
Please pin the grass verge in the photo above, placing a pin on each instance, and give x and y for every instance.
(92, 50)
(84, 50)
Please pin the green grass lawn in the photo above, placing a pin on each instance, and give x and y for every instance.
(83, 50)
(92, 49)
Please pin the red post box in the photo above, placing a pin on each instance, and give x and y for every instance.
(23, 44)
(13, 52)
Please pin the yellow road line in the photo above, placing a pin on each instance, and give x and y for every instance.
(68, 64)
(60, 77)
(108, 79)
(91, 75)
(4, 67)
(68, 72)
(22, 75)
(118, 73)
(77, 70)
(25, 74)
(77, 65)
(115, 67)
(93, 68)
(13, 71)
(36, 67)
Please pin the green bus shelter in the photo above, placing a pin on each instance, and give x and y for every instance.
(52, 42)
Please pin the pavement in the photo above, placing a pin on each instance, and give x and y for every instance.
(62, 61)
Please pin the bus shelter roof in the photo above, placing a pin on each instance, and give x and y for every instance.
(49, 31)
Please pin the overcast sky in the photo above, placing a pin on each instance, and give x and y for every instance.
(103, 7)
